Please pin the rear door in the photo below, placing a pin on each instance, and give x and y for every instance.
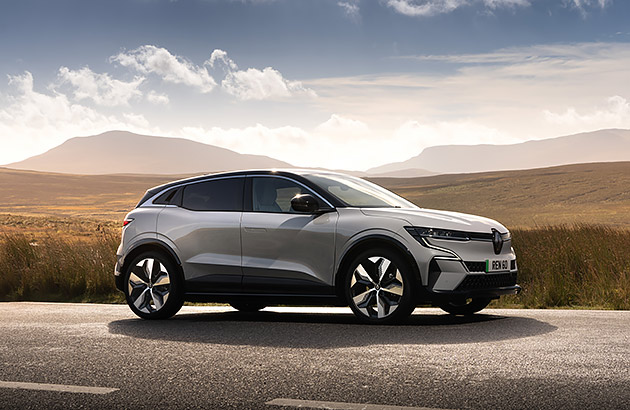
(205, 228)
(285, 252)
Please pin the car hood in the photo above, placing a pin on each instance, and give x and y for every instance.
(431, 218)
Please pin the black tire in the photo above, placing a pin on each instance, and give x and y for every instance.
(247, 306)
(465, 307)
(160, 300)
(375, 300)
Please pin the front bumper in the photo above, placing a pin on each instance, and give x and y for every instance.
(491, 293)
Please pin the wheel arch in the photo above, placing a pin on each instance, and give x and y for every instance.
(369, 242)
(147, 245)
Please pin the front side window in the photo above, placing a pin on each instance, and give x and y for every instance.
(271, 194)
(216, 195)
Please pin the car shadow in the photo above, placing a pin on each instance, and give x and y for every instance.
(332, 330)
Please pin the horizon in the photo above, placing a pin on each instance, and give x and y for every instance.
(298, 166)
(314, 80)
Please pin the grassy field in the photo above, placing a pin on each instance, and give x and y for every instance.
(571, 229)
(585, 193)
(579, 266)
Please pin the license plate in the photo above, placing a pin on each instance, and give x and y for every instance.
(497, 265)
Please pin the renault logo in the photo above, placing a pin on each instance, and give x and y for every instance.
(497, 241)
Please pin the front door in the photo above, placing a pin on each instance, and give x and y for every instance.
(285, 252)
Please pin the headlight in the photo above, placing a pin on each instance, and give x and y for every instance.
(437, 233)
(506, 236)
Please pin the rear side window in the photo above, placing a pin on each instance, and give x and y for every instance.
(170, 197)
(217, 195)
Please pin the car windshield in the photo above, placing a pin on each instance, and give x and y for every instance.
(357, 192)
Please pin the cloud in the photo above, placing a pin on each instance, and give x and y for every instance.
(100, 88)
(158, 99)
(255, 84)
(33, 122)
(220, 56)
(428, 8)
(615, 114)
(583, 5)
(344, 143)
(337, 125)
(351, 9)
(171, 68)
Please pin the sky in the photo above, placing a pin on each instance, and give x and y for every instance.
(342, 84)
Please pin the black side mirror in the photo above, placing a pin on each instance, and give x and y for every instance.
(304, 203)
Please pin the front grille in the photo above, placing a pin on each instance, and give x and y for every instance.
(487, 281)
(476, 266)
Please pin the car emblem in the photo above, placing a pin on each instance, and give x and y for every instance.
(497, 241)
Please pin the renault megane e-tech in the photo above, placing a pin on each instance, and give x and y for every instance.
(259, 238)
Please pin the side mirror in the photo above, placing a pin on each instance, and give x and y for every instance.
(304, 203)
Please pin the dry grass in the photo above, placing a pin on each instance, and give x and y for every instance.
(47, 267)
(572, 266)
(564, 266)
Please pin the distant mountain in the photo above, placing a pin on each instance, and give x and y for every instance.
(125, 152)
(597, 146)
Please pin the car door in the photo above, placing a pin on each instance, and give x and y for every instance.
(205, 228)
(285, 252)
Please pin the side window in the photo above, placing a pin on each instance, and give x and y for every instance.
(171, 197)
(218, 195)
(271, 194)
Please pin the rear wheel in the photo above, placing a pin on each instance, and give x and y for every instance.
(465, 306)
(379, 287)
(153, 286)
(247, 306)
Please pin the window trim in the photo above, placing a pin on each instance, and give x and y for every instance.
(248, 198)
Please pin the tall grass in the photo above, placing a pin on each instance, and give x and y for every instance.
(58, 268)
(560, 266)
(566, 266)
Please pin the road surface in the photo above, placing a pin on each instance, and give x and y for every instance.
(56, 355)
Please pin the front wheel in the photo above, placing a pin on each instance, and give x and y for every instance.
(379, 287)
(465, 306)
(154, 287)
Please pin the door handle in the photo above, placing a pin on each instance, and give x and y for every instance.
(252, 229)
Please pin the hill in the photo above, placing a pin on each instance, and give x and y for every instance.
(597, 146)
(584, 193)
(125, 152)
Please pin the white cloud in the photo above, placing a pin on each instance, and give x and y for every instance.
(615, 114)
(219, 55)
(33, 122)
(427, 8)
(338, 126)
(255, 84)
(171, 68)
(100, 88)
(351, 9)
(583, 5)
(157, 98)
(344, 143)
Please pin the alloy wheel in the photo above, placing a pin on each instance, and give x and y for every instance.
(149, 285)
(376, 287)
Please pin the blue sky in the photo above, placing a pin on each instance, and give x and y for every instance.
(342, 84)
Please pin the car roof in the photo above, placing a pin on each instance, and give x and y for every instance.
(291, 172)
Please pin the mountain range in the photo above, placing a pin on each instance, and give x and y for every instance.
(597, 146)
(125, 152)
(117, 152)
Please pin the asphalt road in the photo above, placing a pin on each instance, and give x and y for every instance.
(209, 357)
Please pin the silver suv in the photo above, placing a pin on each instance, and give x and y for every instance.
(259, 238)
